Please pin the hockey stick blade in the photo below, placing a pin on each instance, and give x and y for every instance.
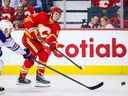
(68, 77)
(96, 86)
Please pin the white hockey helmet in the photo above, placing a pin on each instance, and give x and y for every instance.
(6, 25)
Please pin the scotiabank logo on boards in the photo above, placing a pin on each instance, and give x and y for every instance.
(102, 50)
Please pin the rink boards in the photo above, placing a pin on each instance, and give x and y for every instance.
(97, 51)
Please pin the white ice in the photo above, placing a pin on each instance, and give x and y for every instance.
(60, 86)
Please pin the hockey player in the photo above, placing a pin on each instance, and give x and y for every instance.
(41, 39)
(7, 41)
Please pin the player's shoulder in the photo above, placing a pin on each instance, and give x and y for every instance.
(42, 14)
(41, 18)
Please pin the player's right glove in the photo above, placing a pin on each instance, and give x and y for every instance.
(53, 46)
(2, 36)
(60, 45)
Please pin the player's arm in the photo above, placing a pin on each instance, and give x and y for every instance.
(5, 34)
(47, 38)
(51, 40)
(30, 30)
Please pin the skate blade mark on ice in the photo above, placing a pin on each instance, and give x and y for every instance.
(34, 85)
(22, 84)
(38, 84)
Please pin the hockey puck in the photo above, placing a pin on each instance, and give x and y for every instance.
(123, 83)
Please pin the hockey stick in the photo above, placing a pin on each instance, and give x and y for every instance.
(64, 56)
(91, 88)
(69, 59)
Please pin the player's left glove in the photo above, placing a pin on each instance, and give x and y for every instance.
(28, 54)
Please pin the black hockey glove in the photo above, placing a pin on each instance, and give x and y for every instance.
(28, 54)
(1, 52)
(2, 36)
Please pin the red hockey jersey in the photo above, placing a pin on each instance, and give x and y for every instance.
(42, 19)
(7, 13)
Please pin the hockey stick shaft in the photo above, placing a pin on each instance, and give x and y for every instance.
(91, 88)
(66, 57)
(69, 59)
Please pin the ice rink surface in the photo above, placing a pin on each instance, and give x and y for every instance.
(60, 86)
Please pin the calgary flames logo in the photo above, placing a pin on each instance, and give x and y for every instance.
(104, 3)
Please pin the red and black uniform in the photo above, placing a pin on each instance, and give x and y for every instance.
(38, 40)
